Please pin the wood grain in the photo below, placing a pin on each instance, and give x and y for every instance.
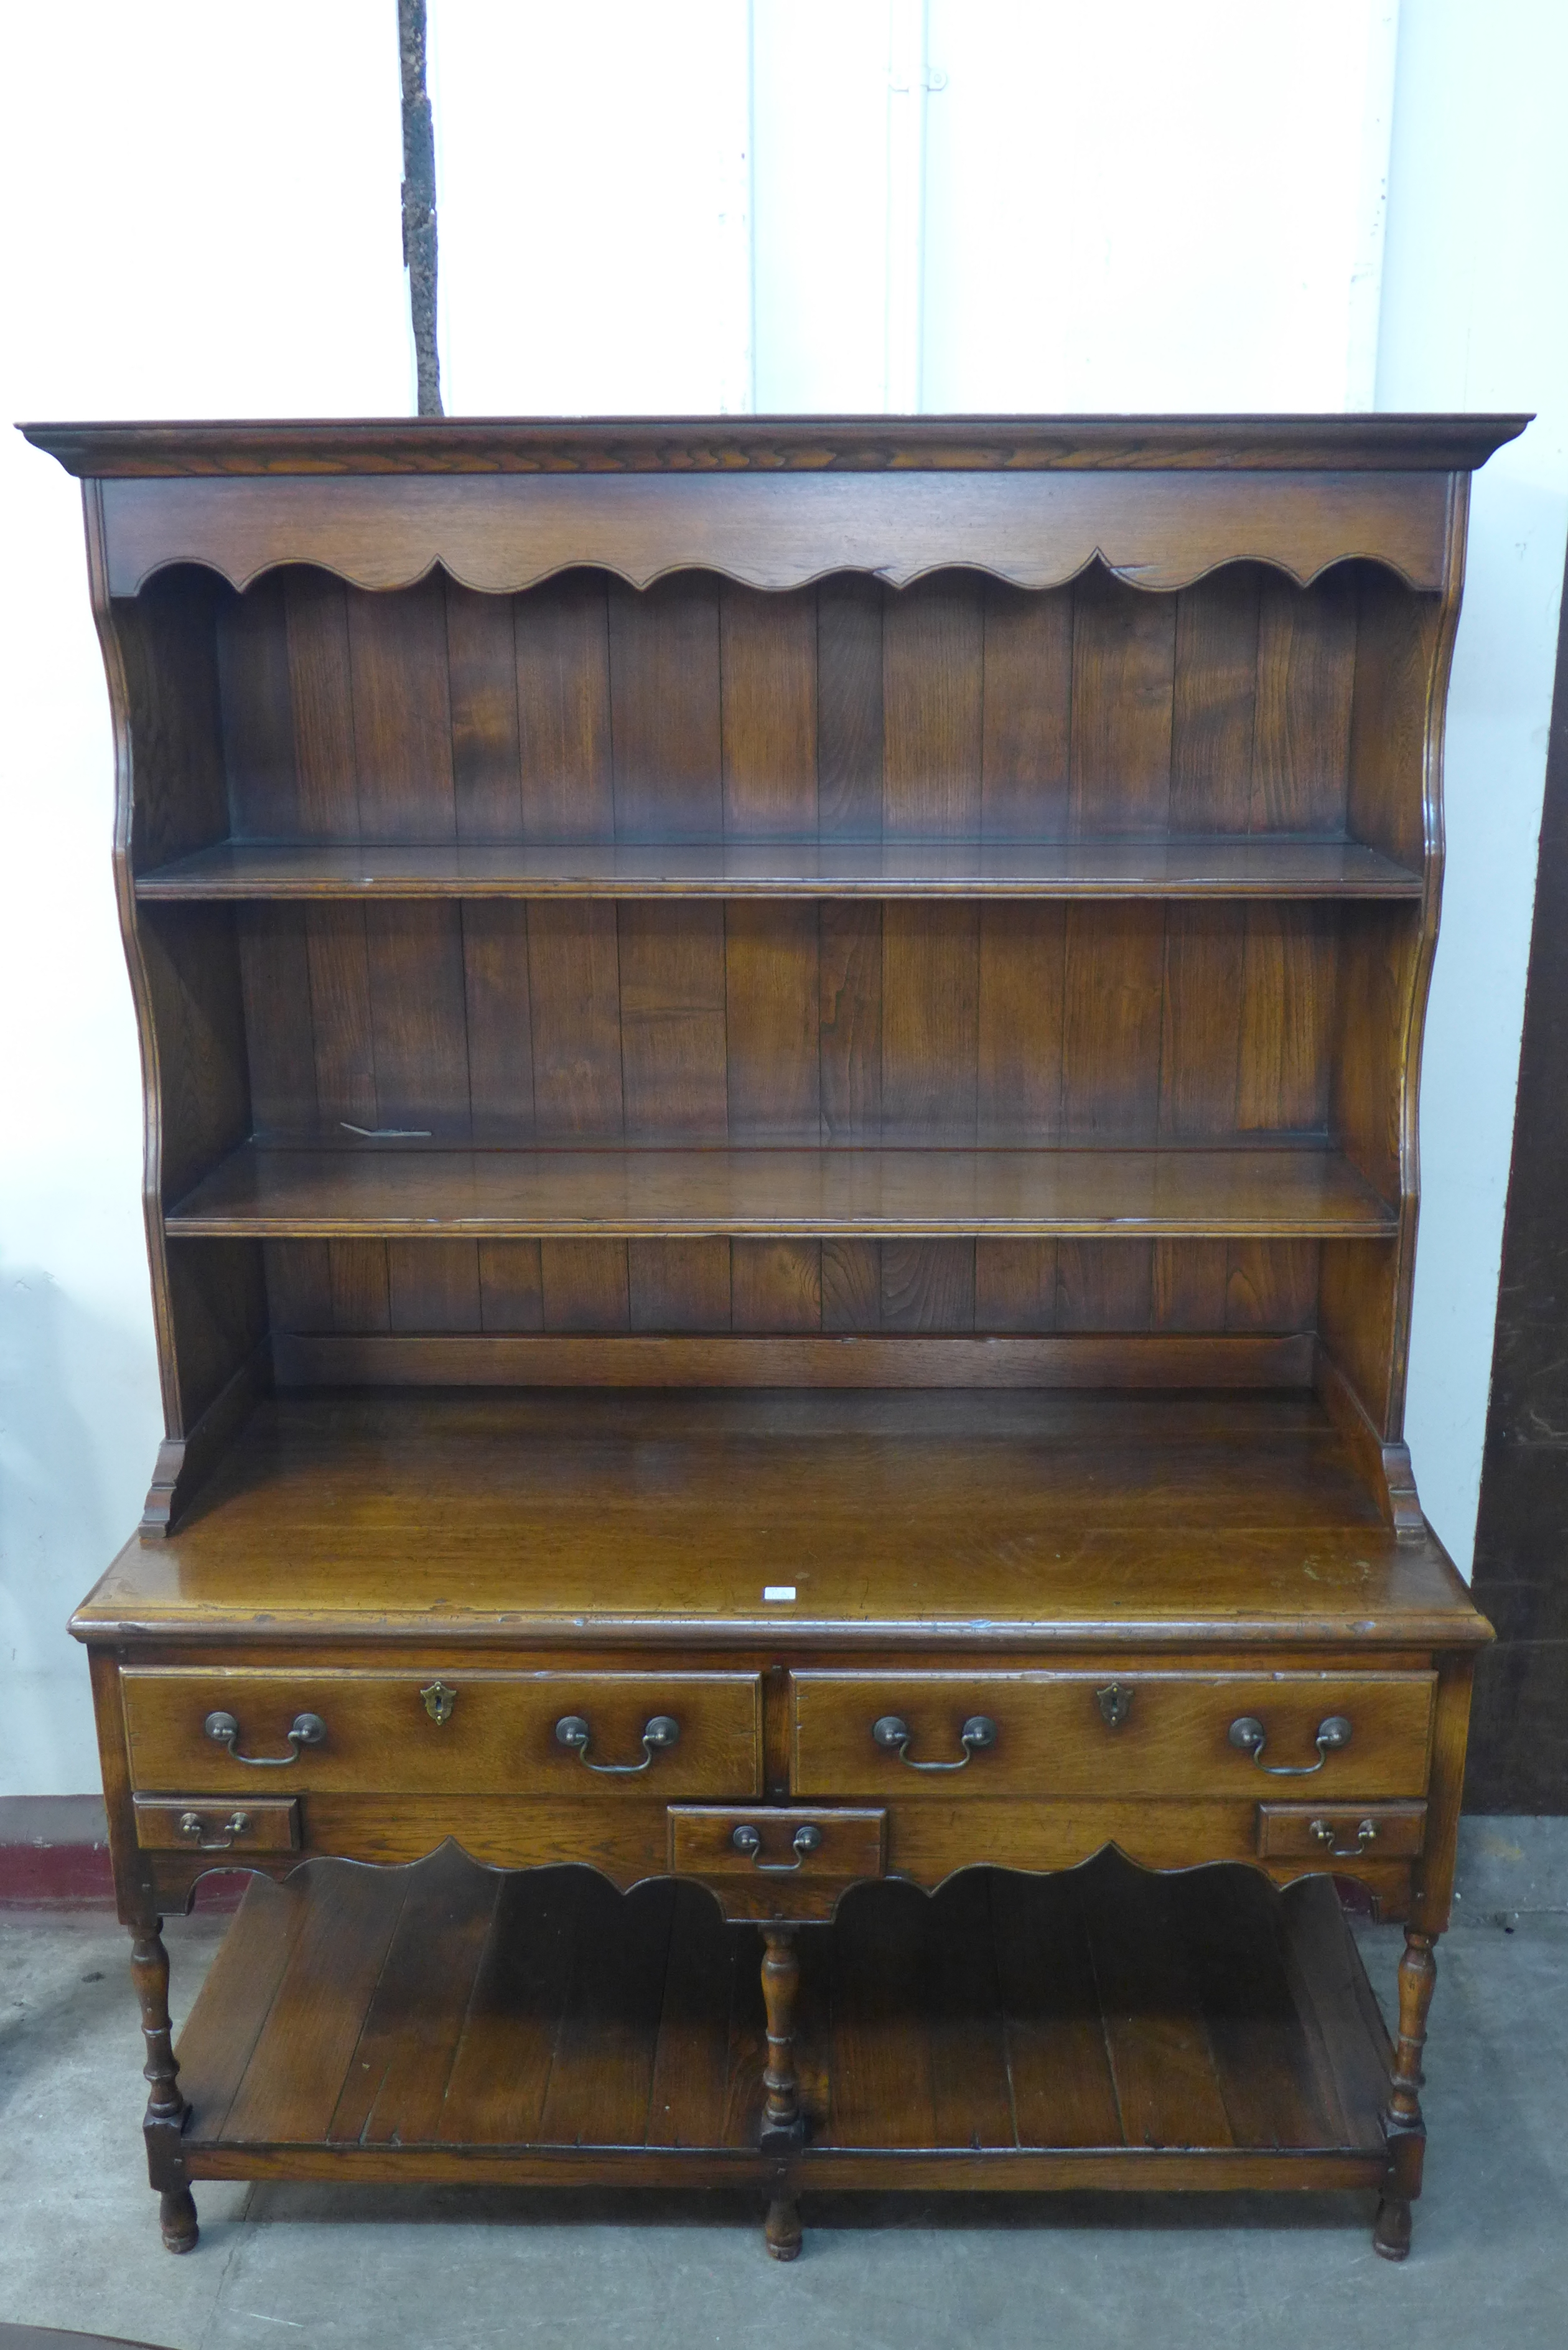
(1124, 652)
(653, 1192)
(561, 636)
(1050, 1737)
(665, 710)
(500, 1737)
(520, 1514)
(1431, 443)
(321, 686)
(768, 658)
(586, 1316)
(931, 701)
(1188, 867)
(796, 1043)
(482, 678)
(555, 2015)
(402, 713)
(1028, 688)
(504, 532)
(772, 1007)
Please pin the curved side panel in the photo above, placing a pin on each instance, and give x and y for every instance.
(161, 659)
(1431, 911)
(1403, 656)
(141, 987)
(503, 532)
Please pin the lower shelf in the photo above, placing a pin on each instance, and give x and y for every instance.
(1102, 2028)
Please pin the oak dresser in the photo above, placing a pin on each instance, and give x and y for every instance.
(781, 1069)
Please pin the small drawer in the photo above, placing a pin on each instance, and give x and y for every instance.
(1102, 1734)
(216, 1824)
(767, 1841)
(1341, 1831)
(459, 1731)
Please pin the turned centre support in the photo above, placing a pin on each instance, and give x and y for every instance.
(783, 2123)
(784, 2119)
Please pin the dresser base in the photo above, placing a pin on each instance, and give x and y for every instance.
(1104, 2028)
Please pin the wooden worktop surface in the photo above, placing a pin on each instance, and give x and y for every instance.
(1001, 1519)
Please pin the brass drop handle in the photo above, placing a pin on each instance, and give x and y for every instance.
(659, 1734)
(1324, 1832)
(308, 1729)
(1247, 1732)
(893, 1734)
(805, 1841)
(237, 1825)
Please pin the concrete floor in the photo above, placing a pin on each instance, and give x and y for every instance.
(79, 2245)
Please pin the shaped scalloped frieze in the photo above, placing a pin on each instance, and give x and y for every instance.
(501, 534)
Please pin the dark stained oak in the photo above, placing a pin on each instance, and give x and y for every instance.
(359, 1192)
(1019, 1515)
(1158, 1361)
(396, 445)
(777, 532)
(1049, 1737)
(736, 867)
(781, 1191)
(1126, 2021)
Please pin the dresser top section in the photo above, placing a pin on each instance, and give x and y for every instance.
(772, 444)
(799, 1519)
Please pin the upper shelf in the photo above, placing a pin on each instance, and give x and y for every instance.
(1304, 1189)
(1256, 867)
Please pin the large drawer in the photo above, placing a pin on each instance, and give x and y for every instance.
(459, 1732)
(1089, 1733)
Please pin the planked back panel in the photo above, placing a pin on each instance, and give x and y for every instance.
(959, 707)
(559, 1022)
(792, 1288)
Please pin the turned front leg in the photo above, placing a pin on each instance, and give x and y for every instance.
(1406, 2130)
(165, 2116)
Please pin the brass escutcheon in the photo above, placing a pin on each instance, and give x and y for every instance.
(438, 1700)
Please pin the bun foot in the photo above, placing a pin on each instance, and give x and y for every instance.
(177, 2219)
(782, 2231)
(1391, 2229)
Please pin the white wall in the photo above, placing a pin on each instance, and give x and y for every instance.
(211, 228)
(1134, 205)
(1024, 205)
(822, 229)
(1113, 205)
(593, 178)
(1474, 315)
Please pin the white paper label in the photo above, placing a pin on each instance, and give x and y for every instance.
(780, 1591)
